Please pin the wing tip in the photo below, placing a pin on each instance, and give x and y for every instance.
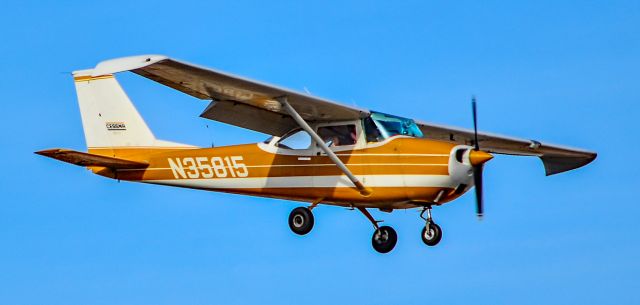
(560, 164)
(128, 63)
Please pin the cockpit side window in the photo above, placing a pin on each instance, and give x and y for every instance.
(338, 135)
(371, 131)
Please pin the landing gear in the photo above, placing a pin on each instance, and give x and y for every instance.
(431, 233)
(301, 220)
(384, 239)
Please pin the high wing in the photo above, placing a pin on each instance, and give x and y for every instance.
(251, 104)
(556, 159)
(235, 100)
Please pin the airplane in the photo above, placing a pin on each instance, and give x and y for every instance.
(319, 152)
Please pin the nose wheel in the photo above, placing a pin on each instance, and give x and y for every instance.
(431, 233)
(432, 236)
(301, 220)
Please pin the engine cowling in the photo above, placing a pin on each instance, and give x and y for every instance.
(461, 162)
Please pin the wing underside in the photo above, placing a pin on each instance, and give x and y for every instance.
(556, 159)
(234, 100)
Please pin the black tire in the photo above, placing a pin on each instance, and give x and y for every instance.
(384, 239)
(434, 236)
(301, 220)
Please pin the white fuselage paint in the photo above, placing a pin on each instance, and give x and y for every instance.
(312, 182)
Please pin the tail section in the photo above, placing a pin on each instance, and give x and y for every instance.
(109, 118)
(117, 137)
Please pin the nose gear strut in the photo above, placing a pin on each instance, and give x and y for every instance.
(431, 233)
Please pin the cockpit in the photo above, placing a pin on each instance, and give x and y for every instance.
(348, 134)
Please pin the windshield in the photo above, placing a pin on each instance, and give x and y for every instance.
(391, 125)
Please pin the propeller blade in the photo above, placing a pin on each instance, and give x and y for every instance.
(475, 123)
(477, 180)
(477, 169)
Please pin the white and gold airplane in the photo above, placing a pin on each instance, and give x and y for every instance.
(320, 152)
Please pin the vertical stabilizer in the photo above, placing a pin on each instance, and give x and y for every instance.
(108, 116)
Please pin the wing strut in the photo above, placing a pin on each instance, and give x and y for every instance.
(364, 191)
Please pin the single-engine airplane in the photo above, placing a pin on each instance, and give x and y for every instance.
(320, 152)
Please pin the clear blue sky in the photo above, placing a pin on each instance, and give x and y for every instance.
(558, 71)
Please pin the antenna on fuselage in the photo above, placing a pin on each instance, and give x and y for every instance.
(307, 90)
(210, 135)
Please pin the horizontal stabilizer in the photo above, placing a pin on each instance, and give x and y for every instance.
(85, 159)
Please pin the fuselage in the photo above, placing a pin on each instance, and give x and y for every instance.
(402, 172)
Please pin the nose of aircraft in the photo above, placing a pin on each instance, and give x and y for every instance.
(478, 157)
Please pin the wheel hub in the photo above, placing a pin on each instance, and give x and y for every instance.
(298, 221)
(429, 233)
(301, 220)
(382, 237)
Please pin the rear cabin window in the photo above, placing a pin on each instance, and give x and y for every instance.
(339, 135)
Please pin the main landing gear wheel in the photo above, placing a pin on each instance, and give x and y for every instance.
(301, 220)
(384, 239)
(433, 235)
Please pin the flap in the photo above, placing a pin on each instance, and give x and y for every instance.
(249, 117)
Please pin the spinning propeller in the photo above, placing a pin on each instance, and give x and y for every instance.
(477, 158)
